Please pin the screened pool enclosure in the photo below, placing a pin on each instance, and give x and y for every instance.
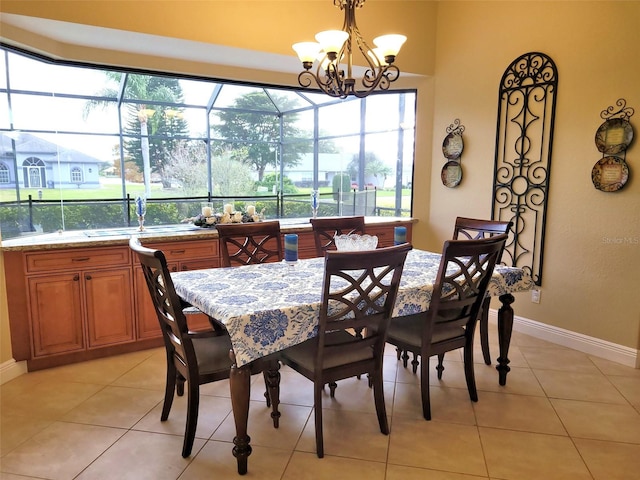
(79, 143)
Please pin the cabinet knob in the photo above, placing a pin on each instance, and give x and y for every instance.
(87, 277)
(76, 277)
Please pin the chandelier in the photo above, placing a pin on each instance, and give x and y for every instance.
(335, 46)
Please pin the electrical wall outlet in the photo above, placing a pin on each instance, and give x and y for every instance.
(535, 295)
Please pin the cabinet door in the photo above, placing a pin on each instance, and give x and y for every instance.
(109, 306)
(306, 245)
(56, 314)
(147, 321)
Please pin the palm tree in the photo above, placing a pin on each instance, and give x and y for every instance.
(147, 91)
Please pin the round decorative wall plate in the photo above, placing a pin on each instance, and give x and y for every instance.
(614, 136)
(452, 146)
(610, 174)
(451, 174)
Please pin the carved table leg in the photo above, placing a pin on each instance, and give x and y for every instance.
(505, 327)
(484, 330)
(240, 384)
(272, 377)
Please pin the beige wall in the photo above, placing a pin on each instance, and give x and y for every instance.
(5, 339)
(459, 51)
(589, 286)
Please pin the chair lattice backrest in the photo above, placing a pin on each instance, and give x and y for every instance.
(474, 229)
(463, 277)
(359, 292)
(168, 307)
(250, 243)
(325, 229)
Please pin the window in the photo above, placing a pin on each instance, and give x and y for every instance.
(119, 134)
(76, 175)
(4, 173)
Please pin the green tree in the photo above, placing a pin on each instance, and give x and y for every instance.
(252, 128)
(373, 166)
(272, 179)
(188, 167)
(163, 124)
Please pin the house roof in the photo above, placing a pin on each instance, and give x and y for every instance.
(27, 144)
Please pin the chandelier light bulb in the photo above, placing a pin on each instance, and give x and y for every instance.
(332, 41)
(389, 45)
(307, 52)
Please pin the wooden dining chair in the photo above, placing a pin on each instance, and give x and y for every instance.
(249, 243)
(326, 228)
(194, 358)
(473, 229)
(449, 324)
(359, 290)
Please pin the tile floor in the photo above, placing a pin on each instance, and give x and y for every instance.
(562, 415)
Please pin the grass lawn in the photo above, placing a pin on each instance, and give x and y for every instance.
(113, 190)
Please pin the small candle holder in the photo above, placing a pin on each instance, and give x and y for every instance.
(141, 211)
(206, 209)
(291, 248)
(315, 196)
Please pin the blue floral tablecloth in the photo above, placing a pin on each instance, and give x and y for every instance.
(269, 307)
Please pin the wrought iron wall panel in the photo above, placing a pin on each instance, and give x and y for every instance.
(524, 140)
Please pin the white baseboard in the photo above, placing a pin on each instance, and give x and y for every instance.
(11, 369)
(583, 343)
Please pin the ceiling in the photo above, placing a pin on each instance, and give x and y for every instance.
(153, 45)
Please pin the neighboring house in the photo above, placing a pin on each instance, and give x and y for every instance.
(330, 164)
(33, 162)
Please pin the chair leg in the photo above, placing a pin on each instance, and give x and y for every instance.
(332, 388)
(359, 334)
(399, 353)
(169, 390)
(469, 371)
(440, 367)
(267, 397)
(317, 407)
(424, 389)
(414, 363)
(378, 395)
(405, 358)
(193, 403)
(484, 330)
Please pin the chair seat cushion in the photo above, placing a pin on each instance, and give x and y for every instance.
(213, 353)
(408, 330)
(304, 353)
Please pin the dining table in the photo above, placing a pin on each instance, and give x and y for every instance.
(268, 307)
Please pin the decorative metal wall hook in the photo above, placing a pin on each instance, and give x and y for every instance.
(455, 127)
(623, 111)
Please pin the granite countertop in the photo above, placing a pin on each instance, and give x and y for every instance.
(120, 236)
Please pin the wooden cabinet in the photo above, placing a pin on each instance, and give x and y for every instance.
(56, 314)
(181, 256)
(79, 299)
(77, 302)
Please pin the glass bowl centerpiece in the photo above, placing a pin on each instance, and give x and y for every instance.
(354, 242)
